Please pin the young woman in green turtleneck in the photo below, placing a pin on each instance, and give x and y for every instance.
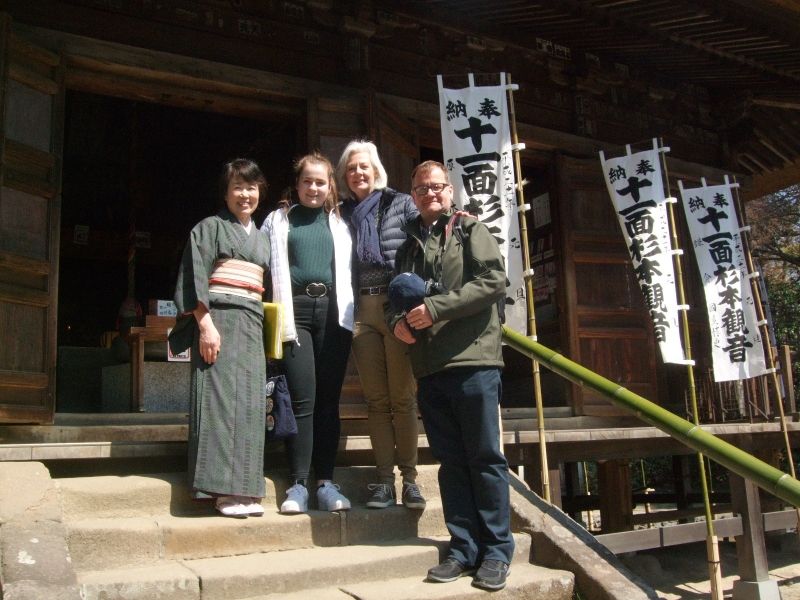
(310, 265)
(310, 246)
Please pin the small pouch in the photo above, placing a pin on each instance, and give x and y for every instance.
(281, 423)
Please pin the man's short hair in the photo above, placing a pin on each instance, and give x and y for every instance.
(427, 167)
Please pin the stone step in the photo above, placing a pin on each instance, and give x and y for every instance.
(303, 573)
(164, 581)
(525, 581)
(320, 567)
(168, 493)
(116, 542)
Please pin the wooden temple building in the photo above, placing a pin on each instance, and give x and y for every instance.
(115, 115)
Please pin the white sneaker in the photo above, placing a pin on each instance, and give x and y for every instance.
(296, 500)
(230, 506)
(329, 498)
(253, 506)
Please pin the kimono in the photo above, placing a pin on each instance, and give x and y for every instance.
(227, 402)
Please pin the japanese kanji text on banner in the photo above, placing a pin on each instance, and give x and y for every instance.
(737, 348)
(476, 143)
(636, 187)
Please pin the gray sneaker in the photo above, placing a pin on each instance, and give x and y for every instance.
(329, 498)
(296, 500)
(491, 575)
(412, 497)
(382, 495)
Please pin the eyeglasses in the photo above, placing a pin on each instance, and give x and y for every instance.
(421, 190)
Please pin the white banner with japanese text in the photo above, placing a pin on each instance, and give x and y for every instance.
(476, 143)
(636, 188)
(736, 346)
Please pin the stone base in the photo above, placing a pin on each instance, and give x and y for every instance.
(166, 387)
(756, 590)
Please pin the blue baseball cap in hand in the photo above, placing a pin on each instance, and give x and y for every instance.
(406, 291)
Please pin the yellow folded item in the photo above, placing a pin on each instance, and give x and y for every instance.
(273, 326)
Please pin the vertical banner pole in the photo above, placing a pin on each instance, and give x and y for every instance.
(528, 275)
(762, 320)
(712, 545)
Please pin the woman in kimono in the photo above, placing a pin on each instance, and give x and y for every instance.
(310, 267)
(219, 295)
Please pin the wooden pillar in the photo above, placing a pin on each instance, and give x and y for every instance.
(771, 456)
(572, 485)
(785, 359)
(683, 482)
(754, 582)
(533, 477)
(616, 502)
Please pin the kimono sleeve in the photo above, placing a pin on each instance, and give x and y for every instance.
(192, 285)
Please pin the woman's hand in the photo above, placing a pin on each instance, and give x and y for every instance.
(210, 340)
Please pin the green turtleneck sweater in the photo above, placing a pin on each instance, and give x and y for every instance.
(310, 246)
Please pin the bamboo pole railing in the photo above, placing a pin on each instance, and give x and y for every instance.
(780, 484)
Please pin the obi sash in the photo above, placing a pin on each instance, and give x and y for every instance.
(237, 277)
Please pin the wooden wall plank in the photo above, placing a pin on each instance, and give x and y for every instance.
(14, 262)
(17, 295)
(20, 379)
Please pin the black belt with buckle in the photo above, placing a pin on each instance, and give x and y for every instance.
(316, 290)
(373, 291)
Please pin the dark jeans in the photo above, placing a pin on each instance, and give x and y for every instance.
(315, 372)
(459, 411)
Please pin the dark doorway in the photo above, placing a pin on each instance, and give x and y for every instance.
(136, 178)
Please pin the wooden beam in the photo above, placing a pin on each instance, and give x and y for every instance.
(32, 79)
(603, 15)
(771, 147)
(765, 183)
(662, 537)
(32, 52)
(18, 295)
(23, 379)
(14, 262)
(778, 141)
(749, 156)
(95, 54)
(161, 93)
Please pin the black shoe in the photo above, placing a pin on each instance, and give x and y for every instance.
(448, 570)
(492, 575)
(412, 498)
(382, 495)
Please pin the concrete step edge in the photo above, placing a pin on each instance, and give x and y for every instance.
(147, 495)
(525, 581)
(239, 577)
(290, 572)
(95, 543)
(232, 577)
(165, 579)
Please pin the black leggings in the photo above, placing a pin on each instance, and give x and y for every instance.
(315, 371)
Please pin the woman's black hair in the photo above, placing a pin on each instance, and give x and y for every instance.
(246, 169)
